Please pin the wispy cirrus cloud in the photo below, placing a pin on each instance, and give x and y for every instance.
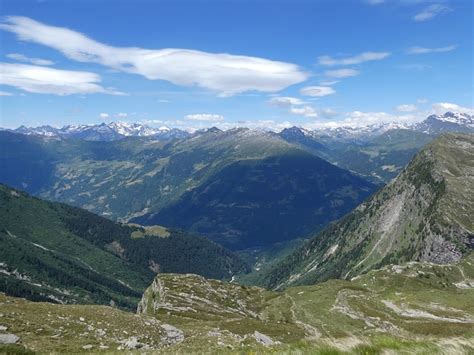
(328, 82)
(406, 108)
(208, 117)
(45, 80)
(357, 59)
(425, 50)
(224, 73)
(285, 101)
(431, 12)
(23, 58)
(341, 73)
(317, 91)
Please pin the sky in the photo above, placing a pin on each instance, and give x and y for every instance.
(260, 64)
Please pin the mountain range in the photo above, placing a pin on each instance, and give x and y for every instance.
(104, 131)
(228, 185)
(376, 152)
(433, 124)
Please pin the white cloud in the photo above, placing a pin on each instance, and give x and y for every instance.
(295, 106)
(225, 73)
(360, 58)
(205, 117)
(341, 73)
(424, 50)
(122, 114)
(317, 91)
(406, 108)
(285, 101)
(306, 111)
(422, 101)
(442, 107)
(4, 93)
(23, 58)
(430, 12)
(328, 82)
(44, 80)
(104, 115)
(356, 119)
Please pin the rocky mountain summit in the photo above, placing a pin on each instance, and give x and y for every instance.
(449, 122)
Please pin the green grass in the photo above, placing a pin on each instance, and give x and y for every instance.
(334, 317)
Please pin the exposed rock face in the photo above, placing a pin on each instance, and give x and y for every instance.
(173, 334)
(425, 214)
(152, 298)
(132, 343)
(197, 296)
(263, 339)
(9, 339)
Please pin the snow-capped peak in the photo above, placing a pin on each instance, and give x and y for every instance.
(105, 131)
(454, 117)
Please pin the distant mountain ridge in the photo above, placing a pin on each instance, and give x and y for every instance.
(434, 124)
(449, 122)
(104, 131)
(378, 152)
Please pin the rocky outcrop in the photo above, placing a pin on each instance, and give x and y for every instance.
(262, 338)
(9, 339)
(152, 298)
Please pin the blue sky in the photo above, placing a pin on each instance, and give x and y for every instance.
(254, 63)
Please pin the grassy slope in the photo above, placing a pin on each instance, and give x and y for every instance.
(52, 260)
(57, 252)
(413, 308)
